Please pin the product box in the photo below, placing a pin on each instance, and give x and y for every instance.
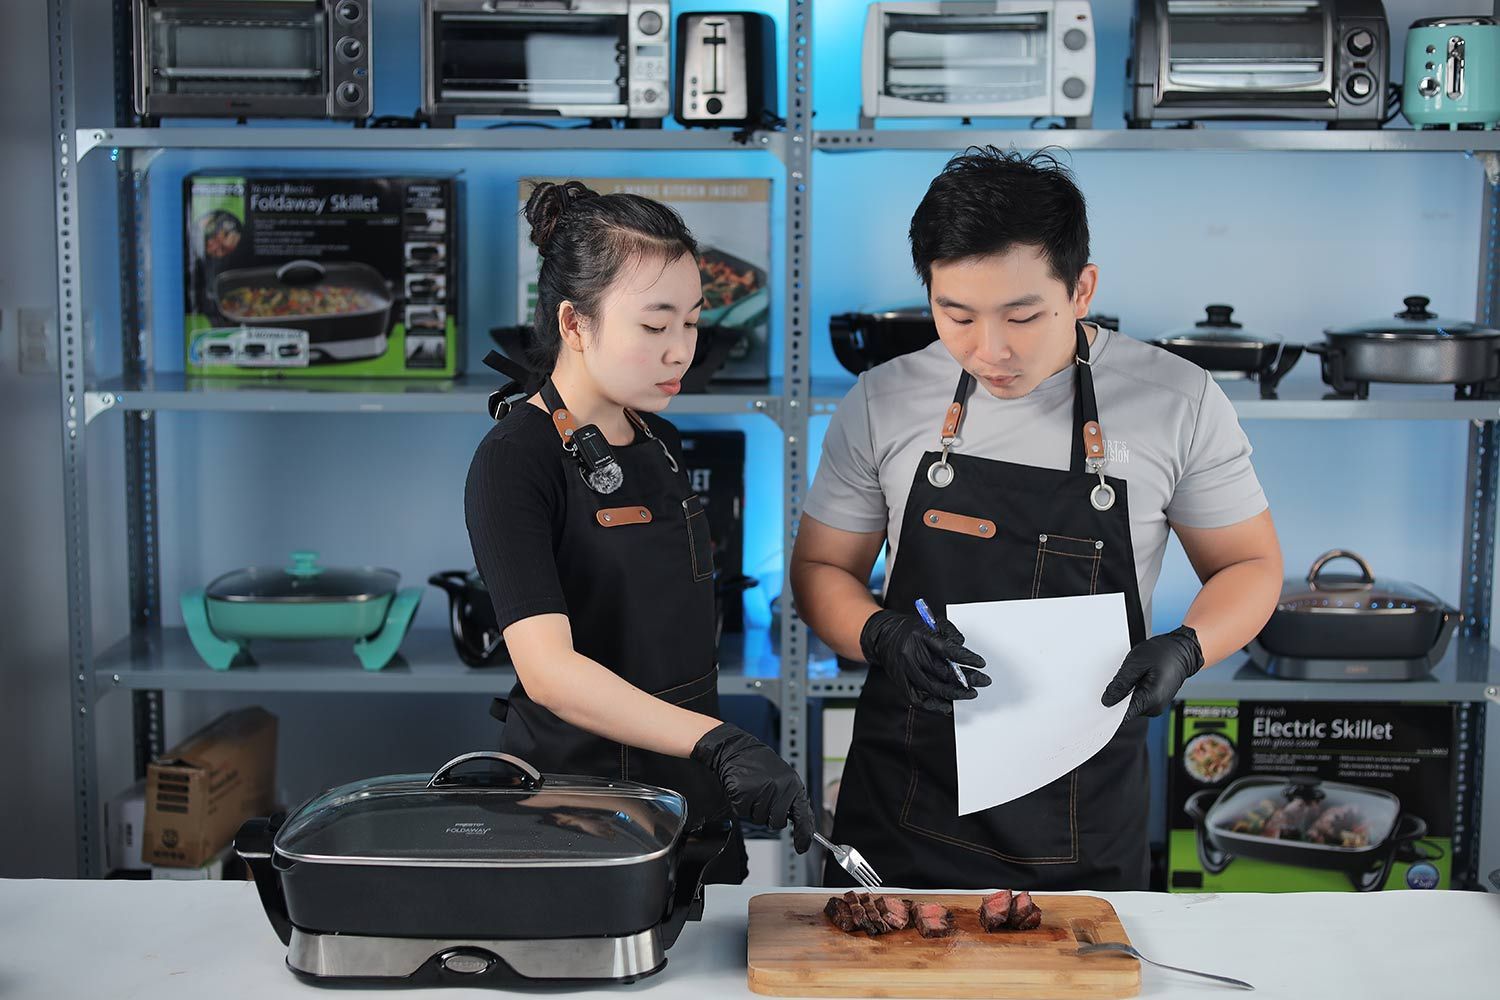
(715, 465)
(124, 822)
(210, 870)
(199, 792)
(731, 220)
(321, 275)
(1310, 796)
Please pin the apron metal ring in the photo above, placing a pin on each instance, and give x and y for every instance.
(1102, 496)
(940, 474)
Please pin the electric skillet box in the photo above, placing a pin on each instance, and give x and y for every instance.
(321, 275)
(1310, 796)
(731, 220)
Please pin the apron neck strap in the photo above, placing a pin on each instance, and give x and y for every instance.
(1088, 436)
(567, 424)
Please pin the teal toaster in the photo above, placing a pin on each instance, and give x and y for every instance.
(1453, 72)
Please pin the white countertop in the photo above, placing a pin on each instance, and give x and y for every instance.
(123, 940)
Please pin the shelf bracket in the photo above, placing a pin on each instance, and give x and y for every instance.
(95, 403)
(86, 140)
(1492, 694)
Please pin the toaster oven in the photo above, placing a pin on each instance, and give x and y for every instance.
(1306, 60)
(979, 59)
(546, 58)
(252, 58)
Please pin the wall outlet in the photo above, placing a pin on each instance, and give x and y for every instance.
(37, 336)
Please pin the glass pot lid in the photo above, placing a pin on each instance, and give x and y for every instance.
(1415, 322)
(1217, 327)
(506, 816)
(1323, 592)
(1301, 809)
(304, 582)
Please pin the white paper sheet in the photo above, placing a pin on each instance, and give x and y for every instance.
(1049, 660)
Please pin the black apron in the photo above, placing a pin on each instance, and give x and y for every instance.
(999, 531)
(637, 571)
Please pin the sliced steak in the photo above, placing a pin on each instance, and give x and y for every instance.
(865, 917)
(894, 912)
(1024, 915)
(932, 920)
(994, 911)
(838, 913)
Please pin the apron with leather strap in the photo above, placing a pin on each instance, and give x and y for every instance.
(637, 572)
(976, 529)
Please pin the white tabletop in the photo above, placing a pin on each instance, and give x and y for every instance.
(123, 940)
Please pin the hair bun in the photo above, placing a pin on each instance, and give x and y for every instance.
(548, 204)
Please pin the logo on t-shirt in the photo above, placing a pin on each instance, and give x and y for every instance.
(1116, 452)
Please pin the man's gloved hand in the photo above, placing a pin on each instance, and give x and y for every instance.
(1156, 669)
(908, 650)
(761, 787)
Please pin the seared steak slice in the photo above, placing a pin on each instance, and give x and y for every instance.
(865, 917)
(994, 911)
(1024, 915)
(932, 919)
(840, 915)
(894, 912)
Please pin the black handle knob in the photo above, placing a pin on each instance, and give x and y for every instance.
(1220, 316)
(1416, 308)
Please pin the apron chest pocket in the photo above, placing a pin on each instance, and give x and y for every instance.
(700, 544)
(1066, 566)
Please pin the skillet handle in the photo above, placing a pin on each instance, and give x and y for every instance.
(1366, 575)
(1408, 828)
(699, 852)
(531, 778)
(254, 843)
(1197, 806)
(1285, 361)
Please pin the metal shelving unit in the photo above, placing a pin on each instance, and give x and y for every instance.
(153, 659)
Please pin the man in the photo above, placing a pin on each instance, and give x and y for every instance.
(1060, 476)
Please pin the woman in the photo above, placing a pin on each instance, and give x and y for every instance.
(594, 548)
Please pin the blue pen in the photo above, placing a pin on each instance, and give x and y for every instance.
(926, 614)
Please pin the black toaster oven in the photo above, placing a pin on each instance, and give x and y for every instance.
(252, 58)
(1304, 60)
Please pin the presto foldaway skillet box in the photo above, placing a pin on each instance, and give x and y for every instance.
(321, 275)
(1310, 796)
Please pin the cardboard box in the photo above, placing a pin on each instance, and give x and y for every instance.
(731, 220)
(212, 869)
(199, 792)
(321, 275)
(1405, 750)
(124, 822)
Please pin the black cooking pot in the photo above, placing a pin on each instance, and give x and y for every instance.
(487, 877)
(1416, 346)
(471, 617)
(715, 344)
(1307, 822)
(1227, 351)
(338, 303)
(1339, 626)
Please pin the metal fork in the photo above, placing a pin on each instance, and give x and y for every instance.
(1116, 948)
(850, 860)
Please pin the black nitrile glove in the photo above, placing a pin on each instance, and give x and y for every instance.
(910, 651)
(1156, 669)
(761, 787)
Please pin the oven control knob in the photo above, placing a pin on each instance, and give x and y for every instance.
(1359, 86)
(350, 11)
(1074, 39)
(350, 49)
(1428, 87)
(1074, 88)
(1361, 43)
(649, 22)
(350, 94)
(465, 963)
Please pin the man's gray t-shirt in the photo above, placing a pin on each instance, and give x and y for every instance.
(1171, 434)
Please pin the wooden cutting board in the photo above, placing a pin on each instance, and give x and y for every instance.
(795, 951)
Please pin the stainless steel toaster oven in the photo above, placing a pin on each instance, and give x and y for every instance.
(1307, 60)
(546, 58)
(252, 58)
(979, 59)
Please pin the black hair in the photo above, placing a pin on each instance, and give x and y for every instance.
(986, 201)
(586, 239)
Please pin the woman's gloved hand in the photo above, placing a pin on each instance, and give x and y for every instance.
(761, 787)
(1156, 670)
(908, 650)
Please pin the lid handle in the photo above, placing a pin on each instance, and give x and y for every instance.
(1219, 316)
(300, 272)
(1416, 308)
(1306, 789)
(530, 777)
(305, 564)
(1323, 560)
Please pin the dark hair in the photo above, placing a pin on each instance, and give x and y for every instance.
(586, 239)
(986, 201)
